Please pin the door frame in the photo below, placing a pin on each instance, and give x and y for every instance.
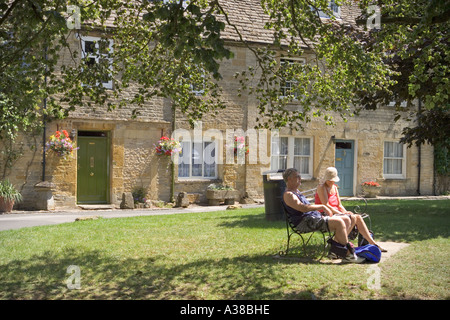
(355, 157)
(108, 165)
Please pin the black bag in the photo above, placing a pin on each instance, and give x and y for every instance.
(362, 241)
(338, 249)
(353, 234)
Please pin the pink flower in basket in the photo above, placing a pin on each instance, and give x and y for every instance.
(61, 144)
(167, 146)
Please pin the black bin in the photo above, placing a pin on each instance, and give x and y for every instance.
(274, 187)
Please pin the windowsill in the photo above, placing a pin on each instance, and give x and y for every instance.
(394, 178)
(180, 180)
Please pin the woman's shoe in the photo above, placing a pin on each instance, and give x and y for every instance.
(381, 248)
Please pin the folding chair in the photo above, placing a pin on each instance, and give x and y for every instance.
(308, 248)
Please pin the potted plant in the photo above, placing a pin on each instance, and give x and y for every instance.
(8, 196)
(371, 189)
(216, 193)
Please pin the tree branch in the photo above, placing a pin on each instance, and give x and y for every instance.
(442, 18)
(7, 13)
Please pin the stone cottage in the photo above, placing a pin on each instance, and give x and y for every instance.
(116, 152)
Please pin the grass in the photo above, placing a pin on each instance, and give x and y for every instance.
(221, 255)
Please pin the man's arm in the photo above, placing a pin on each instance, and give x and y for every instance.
(294, 202)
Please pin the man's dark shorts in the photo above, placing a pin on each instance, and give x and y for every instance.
(313, 222)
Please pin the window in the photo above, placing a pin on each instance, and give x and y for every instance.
(197, 160)
(288, 85)
(185, 2)
(335, 9)
(97, 51)
(292, 152)
(394, 160)
(403, 104)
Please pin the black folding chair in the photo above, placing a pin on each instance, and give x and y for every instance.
(312, 245)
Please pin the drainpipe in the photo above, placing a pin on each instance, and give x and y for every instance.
(419, 165)
(44, 119)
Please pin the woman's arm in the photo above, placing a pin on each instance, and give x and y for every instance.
(323, 196)
(341, 207)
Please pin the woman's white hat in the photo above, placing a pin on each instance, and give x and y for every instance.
(331, 174)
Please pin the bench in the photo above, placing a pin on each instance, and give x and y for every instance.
(321, 240)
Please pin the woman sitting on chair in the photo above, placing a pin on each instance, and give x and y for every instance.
(327, 193)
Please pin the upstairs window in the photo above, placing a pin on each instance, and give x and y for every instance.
(288, 85)
(335, 9)
(96, 50)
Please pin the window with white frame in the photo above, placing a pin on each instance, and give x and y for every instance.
(287, 86)
(403, 104)
(197, 160)
(185, 2)
(96, 50)
(335, 9)
(394, 160)
(292, 152)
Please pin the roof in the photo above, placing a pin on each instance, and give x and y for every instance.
(248, 17)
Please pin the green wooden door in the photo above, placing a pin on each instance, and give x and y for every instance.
(93, 170)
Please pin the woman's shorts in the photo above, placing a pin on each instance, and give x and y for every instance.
(313, 222)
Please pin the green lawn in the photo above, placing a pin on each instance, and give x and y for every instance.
(221, 255)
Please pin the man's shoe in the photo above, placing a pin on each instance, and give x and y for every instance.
(332, 256)
(353, 259)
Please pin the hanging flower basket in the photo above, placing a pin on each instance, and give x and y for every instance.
(240, 147)
(371, 189)
(167, 146)
(61, 144)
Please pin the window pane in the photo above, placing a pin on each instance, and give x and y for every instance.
(302, 146)
(197, 160)
(89, 47)
(397, 166)
(279, 146)
(210, 159)
(279, 153)
(302, 164)
(283, 146)
(393, 166)
(398, 150)
(183, 165)
(282, 162)
(388, 151)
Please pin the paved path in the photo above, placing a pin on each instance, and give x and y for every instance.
(22, 219)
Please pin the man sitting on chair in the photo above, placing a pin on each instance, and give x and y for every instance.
(306, 218)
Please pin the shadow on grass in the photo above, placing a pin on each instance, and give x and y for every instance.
(103, 277)
(409, 220)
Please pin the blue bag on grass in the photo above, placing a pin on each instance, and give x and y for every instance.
(371, 252)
